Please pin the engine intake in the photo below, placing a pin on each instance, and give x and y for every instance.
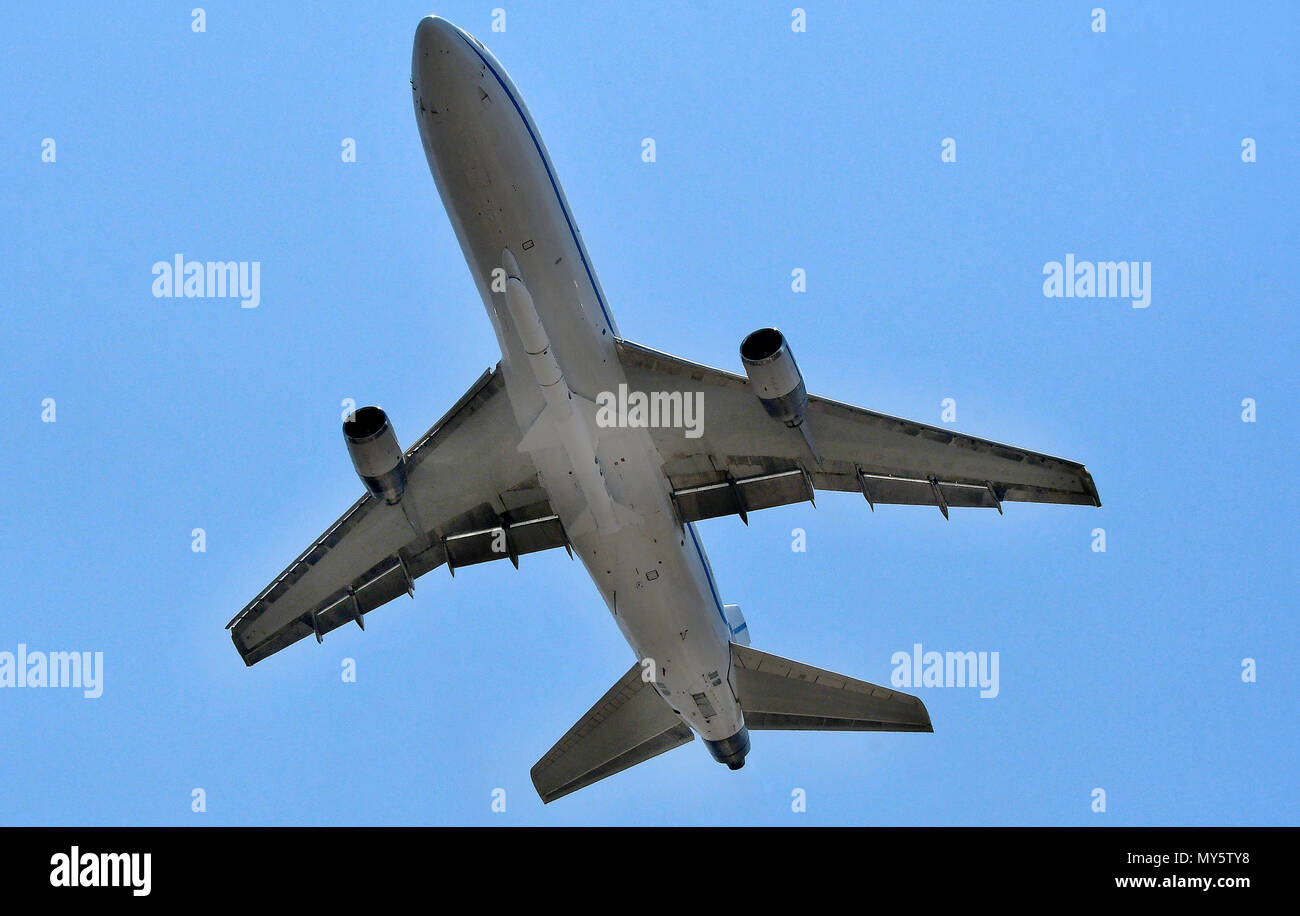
(379, 460)
(775, 376)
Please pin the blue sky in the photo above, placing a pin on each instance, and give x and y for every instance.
(775, 150)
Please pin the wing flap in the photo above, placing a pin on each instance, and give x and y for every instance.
(503, 540)
(738, 497)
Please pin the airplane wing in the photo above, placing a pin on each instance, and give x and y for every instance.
(476, 497)
(744, 460)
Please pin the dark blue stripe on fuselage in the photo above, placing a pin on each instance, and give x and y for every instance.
(708, 574)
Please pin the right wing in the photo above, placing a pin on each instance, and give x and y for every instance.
(478, 498)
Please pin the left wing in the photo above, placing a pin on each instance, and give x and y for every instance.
(744, 460)
(476, 498)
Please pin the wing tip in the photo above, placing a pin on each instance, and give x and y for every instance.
(245, 654)
(1090, 487)
(546, 797)
(923, 721)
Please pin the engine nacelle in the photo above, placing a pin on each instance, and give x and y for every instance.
(379, 460)
(776, 378)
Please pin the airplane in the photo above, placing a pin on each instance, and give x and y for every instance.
(529, 459)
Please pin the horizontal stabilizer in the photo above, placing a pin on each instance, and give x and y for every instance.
(628, 725)
(777, 694)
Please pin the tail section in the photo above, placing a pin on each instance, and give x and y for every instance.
(628, 725)
(631, 723)
(777, 694)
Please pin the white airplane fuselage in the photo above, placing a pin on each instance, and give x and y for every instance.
(557, 340)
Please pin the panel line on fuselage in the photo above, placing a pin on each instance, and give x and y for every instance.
(582, 254)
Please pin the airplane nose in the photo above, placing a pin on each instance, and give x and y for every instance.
(435, 35)
(441, 53)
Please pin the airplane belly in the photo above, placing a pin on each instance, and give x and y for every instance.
(655, 589)
(501, 193)
(510, 217)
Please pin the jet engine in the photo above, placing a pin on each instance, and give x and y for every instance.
(379, 460)
(776, 378)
